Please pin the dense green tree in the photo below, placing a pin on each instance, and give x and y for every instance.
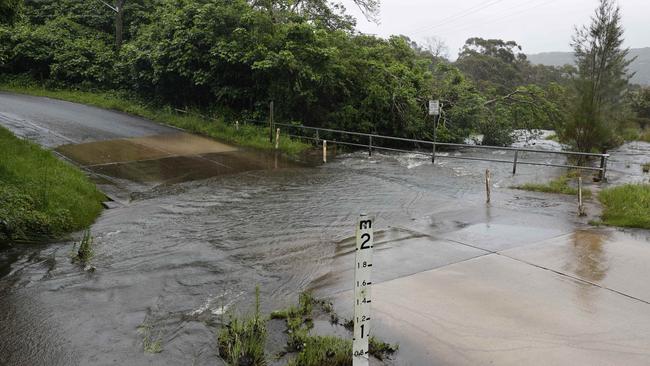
(9, 10)
(601, 81)
(237, 55)
(640, 103)
(495, 65)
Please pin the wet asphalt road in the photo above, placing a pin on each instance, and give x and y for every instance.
(52, 122)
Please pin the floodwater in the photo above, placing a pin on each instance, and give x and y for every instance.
(195, 232)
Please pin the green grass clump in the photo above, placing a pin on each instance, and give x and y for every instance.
(85, 252)
(149, 343)
(241, 341)
(41, 197)
(626, 206)
(306, 302)
(315, 350)
(247, 135)
(381, 349)
(324, 351)
(559, 185)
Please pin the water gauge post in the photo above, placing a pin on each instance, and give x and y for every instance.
(362, 283)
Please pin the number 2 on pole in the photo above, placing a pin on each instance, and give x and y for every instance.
(362, 299)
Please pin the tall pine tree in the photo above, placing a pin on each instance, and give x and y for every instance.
(601, 81)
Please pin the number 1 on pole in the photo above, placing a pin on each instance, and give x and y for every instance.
(362, 282)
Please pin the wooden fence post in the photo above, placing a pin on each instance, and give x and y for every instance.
(581, 207)
(324, 151)
(487, 184)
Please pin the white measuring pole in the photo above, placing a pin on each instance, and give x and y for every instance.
(362, 270)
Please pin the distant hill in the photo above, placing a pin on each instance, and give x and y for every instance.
(641, 65)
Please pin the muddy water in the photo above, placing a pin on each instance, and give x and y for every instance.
(175, 257)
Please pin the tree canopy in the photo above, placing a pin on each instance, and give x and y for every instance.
(237, 55)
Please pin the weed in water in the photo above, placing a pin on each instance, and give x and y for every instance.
(313, 350)
(324, 351)
(241, 341)
(381, 350)
(85, 252)
(349, 324)
(150, 344)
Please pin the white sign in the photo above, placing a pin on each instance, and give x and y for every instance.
(434, 107)
(362, 270)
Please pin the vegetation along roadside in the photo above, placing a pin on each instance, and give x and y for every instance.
(247, 135)
(41, 197)
(626, 206)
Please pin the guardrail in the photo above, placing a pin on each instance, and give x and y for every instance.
(602, 168)
(373, 138)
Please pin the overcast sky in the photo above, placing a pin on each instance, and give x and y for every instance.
(537, 25)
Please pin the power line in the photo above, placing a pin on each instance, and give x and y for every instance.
(457, 16)
(499, 19)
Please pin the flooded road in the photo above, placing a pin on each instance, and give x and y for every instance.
(520, 281)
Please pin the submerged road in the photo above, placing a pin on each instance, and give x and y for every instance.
(522, 281)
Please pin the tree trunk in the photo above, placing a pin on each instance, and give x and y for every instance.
(119, 23)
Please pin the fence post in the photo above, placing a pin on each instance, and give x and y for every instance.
(317, 138)
(271, 122)
(324, 151)
(603, 167)
(433, 155)
(277, 138)
(487, 184)
(370, 147)
(581, 207)
(514, 166)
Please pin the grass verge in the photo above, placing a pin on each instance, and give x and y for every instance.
(560, 185)
(626, 206)
(246, 135)
(41, 197)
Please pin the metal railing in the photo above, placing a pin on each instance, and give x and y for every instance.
(602, 168)
(372, 145)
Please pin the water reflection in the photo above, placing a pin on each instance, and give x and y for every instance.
(587, 258)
